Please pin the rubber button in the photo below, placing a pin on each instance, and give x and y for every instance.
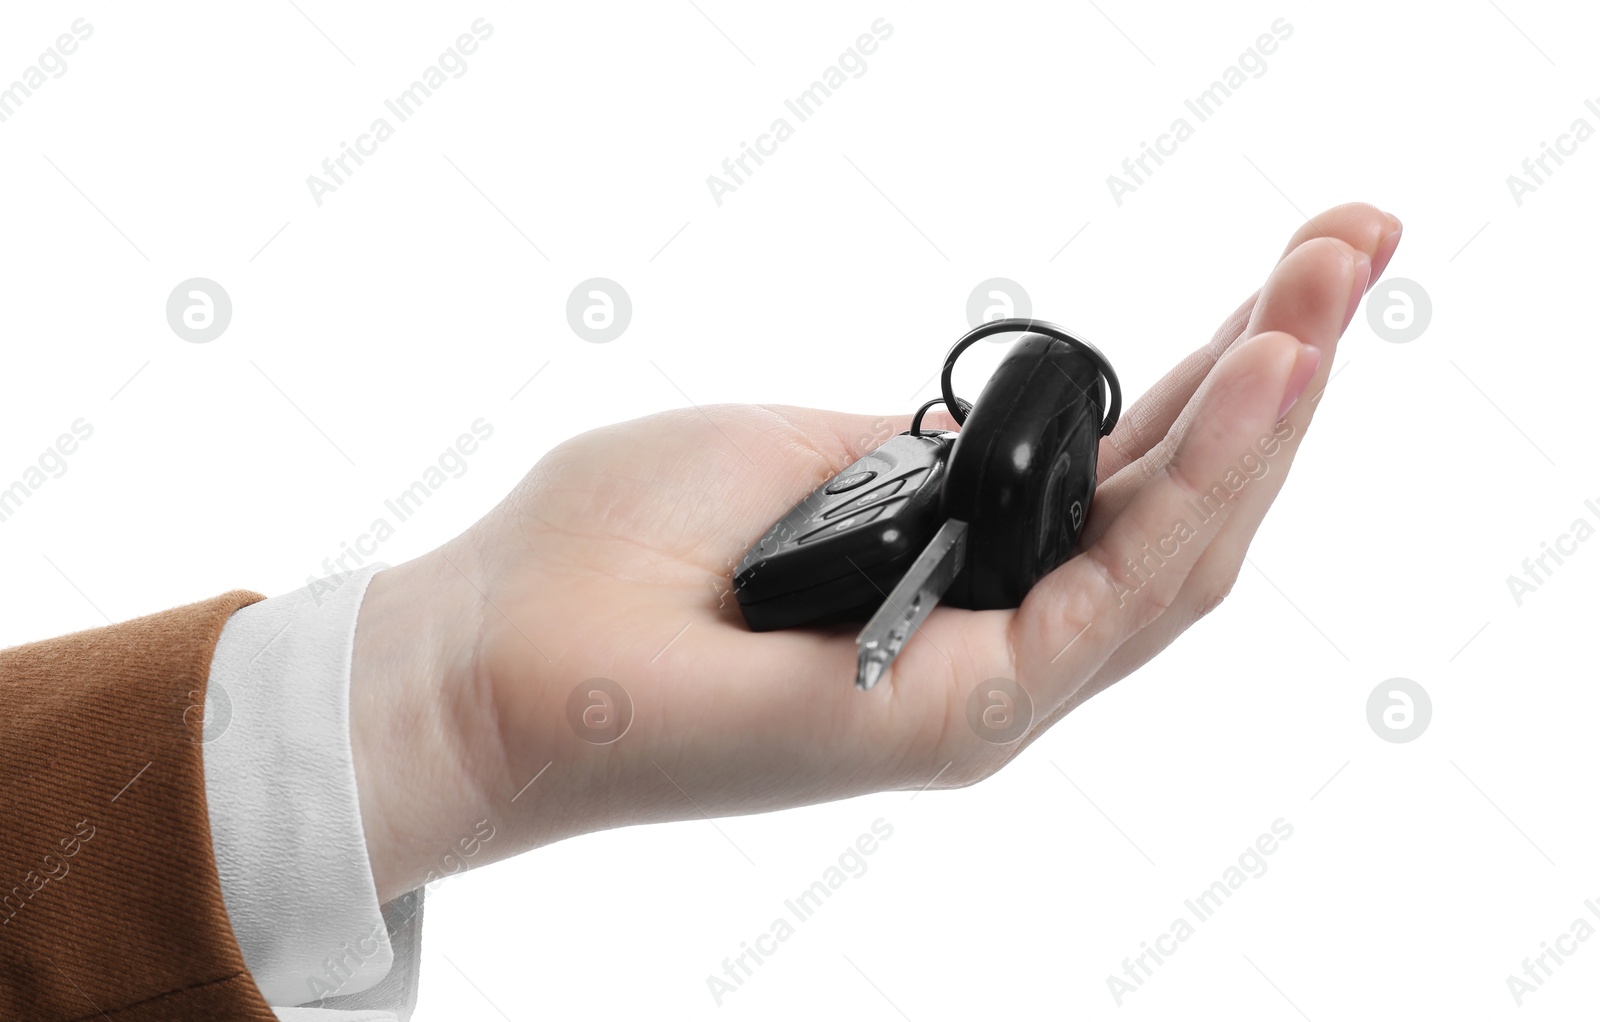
(850, 482)
(872, 496)
(854, 520)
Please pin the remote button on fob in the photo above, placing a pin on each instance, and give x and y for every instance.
(849, 482)
(859, 518)
(872, 496)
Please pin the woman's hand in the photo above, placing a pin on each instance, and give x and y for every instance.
(612, 559)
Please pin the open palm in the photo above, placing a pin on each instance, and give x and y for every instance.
(611, 560)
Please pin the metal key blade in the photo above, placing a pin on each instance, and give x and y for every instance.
(912, 600)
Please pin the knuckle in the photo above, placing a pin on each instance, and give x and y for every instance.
(979, 766)
(1216, 592)
(1155, 600)
(1128, 439)
(968, 773)
(1180, 472)
(1157, 457)
(1086, 603)
(1327, 254)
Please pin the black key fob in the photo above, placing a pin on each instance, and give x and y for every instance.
(1022, 472)
(836, 553)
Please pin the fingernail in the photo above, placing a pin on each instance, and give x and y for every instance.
(1386, 246)
(1358, 286)
(1305, 367)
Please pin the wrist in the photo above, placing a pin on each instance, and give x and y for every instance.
(409, 719)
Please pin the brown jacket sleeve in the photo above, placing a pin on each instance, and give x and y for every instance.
(110, 905)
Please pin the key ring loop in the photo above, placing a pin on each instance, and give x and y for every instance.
(1033, 326)
(962, 404)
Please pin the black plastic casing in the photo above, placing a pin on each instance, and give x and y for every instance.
(834, 555)
(1022, 473)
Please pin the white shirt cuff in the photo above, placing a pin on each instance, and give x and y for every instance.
(285, 820)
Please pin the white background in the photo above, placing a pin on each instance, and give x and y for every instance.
(370, 331)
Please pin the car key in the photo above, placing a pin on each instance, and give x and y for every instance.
(850, 540)
(1017, 488)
